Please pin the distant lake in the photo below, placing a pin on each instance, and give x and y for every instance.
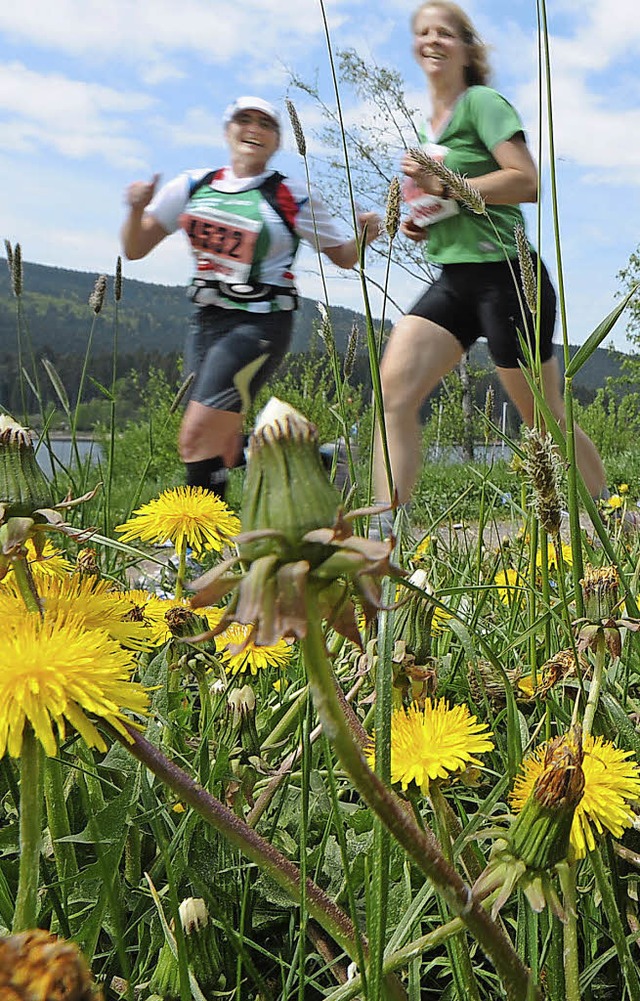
(62, 450)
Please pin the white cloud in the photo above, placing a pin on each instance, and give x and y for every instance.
(76, 118)
(143, 32)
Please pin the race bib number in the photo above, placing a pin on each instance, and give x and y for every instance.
(224, 243)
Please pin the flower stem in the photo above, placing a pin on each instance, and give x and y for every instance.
(420, 845)
(457, 947)
(58, 823)
(570, 950)
(31, 796)
(181, 552)
(24, 580)
(319, 905)
(595, 686)
(616, 929)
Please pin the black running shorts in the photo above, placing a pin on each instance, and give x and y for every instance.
(232, 353)
(481, 300)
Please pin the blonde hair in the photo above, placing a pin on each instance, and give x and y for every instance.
(478, 71)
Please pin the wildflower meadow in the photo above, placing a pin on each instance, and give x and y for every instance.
(252, 752)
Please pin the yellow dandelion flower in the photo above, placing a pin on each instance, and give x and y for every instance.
(611, 783)
(93, 602)
(239, 653)
(552, 557)
(54, 672)
(51, 562)
(614, 502)
(525, 685)
(439, 620)
(623, 488)
(422, 548)
(185, 516)
(433, 742)
(509, 582)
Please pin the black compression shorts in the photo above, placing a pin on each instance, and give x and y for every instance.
(481, 300)
(232, 353)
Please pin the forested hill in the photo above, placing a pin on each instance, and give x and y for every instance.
(152, 320)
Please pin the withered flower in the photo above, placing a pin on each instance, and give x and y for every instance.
(296, 541)
(37, 966)
(26, 502)
(416, 620)
(600, 591)
(553, 671)
(539, 837)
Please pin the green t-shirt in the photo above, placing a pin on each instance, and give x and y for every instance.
(482, 119)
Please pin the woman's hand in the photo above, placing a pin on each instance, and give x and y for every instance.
(373, 223)
(141, 232)
(139, 194)
(409, 229)
(428, 182)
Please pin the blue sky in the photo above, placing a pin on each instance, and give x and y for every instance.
(95, 95)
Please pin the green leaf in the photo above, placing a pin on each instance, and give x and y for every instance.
(595, 339)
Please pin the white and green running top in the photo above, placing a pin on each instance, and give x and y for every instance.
(244, 232)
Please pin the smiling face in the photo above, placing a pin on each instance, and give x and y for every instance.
(253, 138)
(439, 46)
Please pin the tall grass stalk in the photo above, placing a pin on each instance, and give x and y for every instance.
(421, 847)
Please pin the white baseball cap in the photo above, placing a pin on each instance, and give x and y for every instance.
(250, 104)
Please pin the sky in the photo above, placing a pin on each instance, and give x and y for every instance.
(94, 96)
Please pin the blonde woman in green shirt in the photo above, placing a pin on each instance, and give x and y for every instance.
(479, 134)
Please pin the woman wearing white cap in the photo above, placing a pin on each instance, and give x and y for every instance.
(244, 223)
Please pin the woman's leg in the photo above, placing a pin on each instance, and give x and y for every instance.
(419, 354)
(587, 456)
(233, 354)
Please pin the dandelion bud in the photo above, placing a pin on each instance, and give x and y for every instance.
(301, 142)
(526, 268)
(287, 489)
(16, 271)
(352, 349)
(297, 548)
(540, 834)
(392, 217)
(241, 702)
(540, 837)
(183, 622)
(24, 488)
(201, 949)
(600, 592)
(542, 467)
(37, 966)
(96, 299)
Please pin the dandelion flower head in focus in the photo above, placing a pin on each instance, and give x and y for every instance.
(55, 672)
(184, 516)
(434, 742)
